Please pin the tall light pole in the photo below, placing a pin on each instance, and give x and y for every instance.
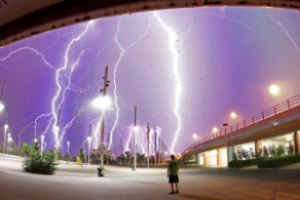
(155, 148)
(89, 140)
(135, 130)
(57, 129)
(106, 84)
(42, 140)
(9, 140)
(159, 150)
(148, 132)
(107, 146)
(1, 104)
(5, 129)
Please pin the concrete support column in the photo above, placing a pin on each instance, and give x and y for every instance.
(258, 146)
(297, 143)
(205, 158)
(197, 158)
(229, 153)
(219, 157)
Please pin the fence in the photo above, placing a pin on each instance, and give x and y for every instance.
(275, 110)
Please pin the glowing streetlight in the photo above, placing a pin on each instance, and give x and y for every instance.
(5, 129)
(233, 115)
(274, 89)
(195, 136)
(102, 102)
(1, 106)
(215, 129)
(89, 140)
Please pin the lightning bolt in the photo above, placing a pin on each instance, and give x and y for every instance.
(59, 85)
(172, 44)
(123, 51)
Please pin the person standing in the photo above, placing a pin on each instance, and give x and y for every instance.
(173, 168)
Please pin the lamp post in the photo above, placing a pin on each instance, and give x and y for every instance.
(5, 129)
(148, 132)
(89, 140)
(135, 130)
(9, 140)
(1, 104)
(102, 103)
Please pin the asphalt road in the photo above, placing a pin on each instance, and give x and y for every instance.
(75, 182)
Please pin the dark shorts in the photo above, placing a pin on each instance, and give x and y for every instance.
(173, 179)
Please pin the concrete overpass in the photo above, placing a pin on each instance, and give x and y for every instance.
(274, 126)
(21, 19)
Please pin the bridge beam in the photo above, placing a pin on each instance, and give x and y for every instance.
(297, 142)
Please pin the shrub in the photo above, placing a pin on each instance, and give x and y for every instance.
(265, 152)
(279, 150)
(35, 163)
(291, 149)
(243, 163)
(189, 162)
(272, 150)
(278, 162)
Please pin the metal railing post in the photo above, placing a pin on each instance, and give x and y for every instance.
(252, 120)
(275, 110)
(263, 114)
(288, 102)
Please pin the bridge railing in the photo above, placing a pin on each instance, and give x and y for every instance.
(273, 111)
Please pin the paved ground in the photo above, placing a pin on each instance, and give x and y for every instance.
(75, 182)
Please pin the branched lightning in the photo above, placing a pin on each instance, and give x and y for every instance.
(172, 43)
(123, 51)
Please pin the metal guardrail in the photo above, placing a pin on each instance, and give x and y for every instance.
(273, 111)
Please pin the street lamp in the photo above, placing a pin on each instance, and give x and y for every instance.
(233, 115)
(102, 102)
(9, 140)
(215, 130)
(274, 89)
(195, 136)
(5, 129)
(89, 140)
(1, 106)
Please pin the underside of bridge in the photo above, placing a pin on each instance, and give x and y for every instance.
(37, 18)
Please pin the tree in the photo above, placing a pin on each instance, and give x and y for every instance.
(279, 150)
(140, 158)
(14, 151)
(266, 152)
(25, 149)
(128, 156)
(152, 159)
(58, 154)
(94, 157)
(67, 156)
(35, 163)
(291, 149)
(80, 155)
(121, 158)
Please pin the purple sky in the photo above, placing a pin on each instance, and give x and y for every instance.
(187, 68)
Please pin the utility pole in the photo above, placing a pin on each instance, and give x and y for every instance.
(57, 129)
(162, 153)
(89, 140)
(42, 140)
(106, 84)
(155, 148)
(159, 150)
(2, 90)
(134, 152)
(148, 132)
(121, 147)
(107, 146)
(5, 129)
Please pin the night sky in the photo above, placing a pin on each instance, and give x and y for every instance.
(186, 70)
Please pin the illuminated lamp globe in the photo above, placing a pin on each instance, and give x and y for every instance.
(195, 136)
(5, 126)
(215, 129)
(274, 89)
(89, 138)
(102, 102)
(233, 115)
(135, 128)
(1, 106)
